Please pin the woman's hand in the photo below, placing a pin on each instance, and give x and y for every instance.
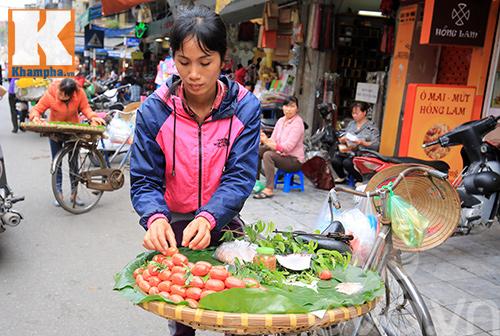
(263, 137)
(36, 120)
(95, 121)
(159, 236)
(271, 144)
(343, 139)
(361, 142)
(196, 235)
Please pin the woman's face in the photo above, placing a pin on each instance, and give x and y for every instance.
(199, 71)
(357, 114)
(290, 110)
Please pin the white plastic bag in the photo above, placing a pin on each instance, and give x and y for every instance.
(119, 131)
(240, 249)
(358, 224)
(324, 218)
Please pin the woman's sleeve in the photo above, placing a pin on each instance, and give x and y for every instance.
(147, 168)
(294, 134)
(84, 105)
(42, 106)
(238, 179)
(274, 135)
(374, 139)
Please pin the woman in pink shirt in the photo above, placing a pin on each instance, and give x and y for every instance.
(285, 148)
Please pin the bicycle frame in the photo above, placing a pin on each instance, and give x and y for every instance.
(382, 254)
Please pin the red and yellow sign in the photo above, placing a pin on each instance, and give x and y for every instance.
(432, 110)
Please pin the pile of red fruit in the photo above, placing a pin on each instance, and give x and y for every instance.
(176, 279)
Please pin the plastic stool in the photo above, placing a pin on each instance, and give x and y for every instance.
(288, 183)
(351, 181)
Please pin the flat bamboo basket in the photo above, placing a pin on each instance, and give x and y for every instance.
(434, 198)
(63, 128)
(254, 324)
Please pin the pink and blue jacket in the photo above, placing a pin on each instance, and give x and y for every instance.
(179, 166)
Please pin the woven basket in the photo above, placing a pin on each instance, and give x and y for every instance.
(436, 199)
(63, 128)
(253, 324)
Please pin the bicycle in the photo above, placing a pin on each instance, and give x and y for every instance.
(76, 162)
(402, 311)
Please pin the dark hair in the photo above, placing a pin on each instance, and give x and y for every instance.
(239, 66)
(250, 62)
(291, 99)
(362, 106)
(203, 24)
(68, 86)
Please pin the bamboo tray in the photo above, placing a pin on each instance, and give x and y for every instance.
(63, 128)
(253, 324)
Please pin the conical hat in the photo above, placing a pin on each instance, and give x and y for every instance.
(434, 198)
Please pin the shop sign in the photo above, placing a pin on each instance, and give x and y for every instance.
(455, 22)
(432, 110)
(367, 92)
(95, 12)
(132, 42)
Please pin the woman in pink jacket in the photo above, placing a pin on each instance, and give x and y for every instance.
(285, 148)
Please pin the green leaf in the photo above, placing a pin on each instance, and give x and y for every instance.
(125, 277)
(203, 255)
(252, 301)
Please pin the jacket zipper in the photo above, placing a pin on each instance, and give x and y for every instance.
(200, 170)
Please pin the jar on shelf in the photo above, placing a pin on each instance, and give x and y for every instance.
(265, 256)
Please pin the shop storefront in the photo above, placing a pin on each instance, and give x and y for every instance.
(442, 74)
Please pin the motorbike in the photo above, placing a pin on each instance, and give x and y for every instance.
(479, 182)
(8, 216)
(109, 100)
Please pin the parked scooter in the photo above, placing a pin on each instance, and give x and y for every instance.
(8, 216)
(479, 185)
(109, 100)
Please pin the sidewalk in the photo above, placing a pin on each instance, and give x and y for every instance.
(460, 279)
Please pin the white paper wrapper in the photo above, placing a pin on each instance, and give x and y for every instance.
(349, 288)
(295, 262)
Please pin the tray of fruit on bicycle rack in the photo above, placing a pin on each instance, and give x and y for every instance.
(49, 127)
(263, 282)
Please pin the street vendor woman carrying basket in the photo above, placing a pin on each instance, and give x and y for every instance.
(66, 100)
(195, 151)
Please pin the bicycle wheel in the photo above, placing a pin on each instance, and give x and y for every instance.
(402, 311)
(68, 185)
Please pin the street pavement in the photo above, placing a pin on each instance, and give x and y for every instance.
(56, 269)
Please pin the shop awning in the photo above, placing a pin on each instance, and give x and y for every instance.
(115, 6)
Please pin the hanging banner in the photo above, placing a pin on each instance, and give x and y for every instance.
(115, 6)
(455, 22)
(432, 110)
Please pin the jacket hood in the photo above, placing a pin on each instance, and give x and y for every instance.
(227, 107)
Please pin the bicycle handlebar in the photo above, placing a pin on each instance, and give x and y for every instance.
(401, 176)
